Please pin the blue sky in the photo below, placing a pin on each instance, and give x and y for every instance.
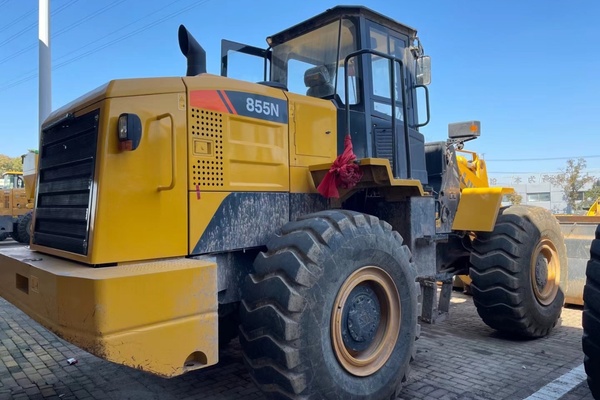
(528, 70)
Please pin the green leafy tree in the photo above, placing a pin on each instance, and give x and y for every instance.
(10, 164)
(592, 195)
(572, 180)
(515, 198)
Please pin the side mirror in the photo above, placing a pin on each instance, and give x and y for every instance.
(464, 131)
(423, 70)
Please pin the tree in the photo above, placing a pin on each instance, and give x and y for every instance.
(515, 198)
(572, 180)
(10, 164)
(592, 195)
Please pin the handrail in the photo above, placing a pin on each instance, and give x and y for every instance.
(173, 166)
(391, 59)
(426, 105)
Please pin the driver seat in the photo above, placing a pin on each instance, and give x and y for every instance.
(317, 80)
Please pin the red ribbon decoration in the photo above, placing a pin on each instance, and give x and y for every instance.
(344, 173)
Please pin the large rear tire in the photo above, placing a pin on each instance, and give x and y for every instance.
(516, 270)
(591, 318)
(330, 311)
(3, 236)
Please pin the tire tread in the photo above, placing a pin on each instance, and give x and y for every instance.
(499, 266)
(591, 318)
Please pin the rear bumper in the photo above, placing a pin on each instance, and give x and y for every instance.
(158, 316)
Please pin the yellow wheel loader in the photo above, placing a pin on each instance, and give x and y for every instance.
(306, 209)
(13, 203)
(16, 207)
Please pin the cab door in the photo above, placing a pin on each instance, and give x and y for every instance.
(393, 126)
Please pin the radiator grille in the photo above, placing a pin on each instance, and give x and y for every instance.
(66, 172)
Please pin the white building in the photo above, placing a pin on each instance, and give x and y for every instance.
(537, 191)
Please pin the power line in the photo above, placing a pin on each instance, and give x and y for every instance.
(17, 20)
(34, 24)
(540, 159)
(126, 27)
(16, 35)
(135, 32)
(33, 73)
(61, 31)
(89, 16)
(589, 171)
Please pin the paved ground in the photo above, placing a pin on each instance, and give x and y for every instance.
(460, 358)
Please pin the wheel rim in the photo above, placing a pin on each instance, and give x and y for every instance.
(545, 272)
(365, 321)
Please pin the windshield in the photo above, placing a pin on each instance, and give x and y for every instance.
(312, 64)
(11, 181)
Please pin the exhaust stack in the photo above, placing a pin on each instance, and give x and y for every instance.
(191, 49)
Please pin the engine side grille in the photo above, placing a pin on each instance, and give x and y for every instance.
(383, 144)
(66, 172)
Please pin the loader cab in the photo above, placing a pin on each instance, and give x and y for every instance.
(367, 65)
(13, 180)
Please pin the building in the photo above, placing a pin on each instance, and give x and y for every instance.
(538, 191)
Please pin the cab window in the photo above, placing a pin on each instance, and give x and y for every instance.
(384, 41)
(312, 64)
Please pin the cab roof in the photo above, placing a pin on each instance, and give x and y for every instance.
(334, 14)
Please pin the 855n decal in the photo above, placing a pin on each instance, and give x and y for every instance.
(241, 103)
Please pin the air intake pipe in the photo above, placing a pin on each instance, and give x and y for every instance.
(191, 49)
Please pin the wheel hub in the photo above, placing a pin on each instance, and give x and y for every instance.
(361, 318)
(545, 272)
(365, 321)
(541, 272)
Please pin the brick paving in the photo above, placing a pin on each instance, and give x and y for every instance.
(460, 358)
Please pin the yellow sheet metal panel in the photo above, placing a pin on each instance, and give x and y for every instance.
(132, 215)
(313, 128)
(301, 180)
(238, 135)
(478, 208)
(257, 156)
(313, 138)
(119, 88)
(160, 316)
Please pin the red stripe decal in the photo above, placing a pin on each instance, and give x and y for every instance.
(207, 99)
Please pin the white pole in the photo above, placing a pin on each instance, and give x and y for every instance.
(45, 73)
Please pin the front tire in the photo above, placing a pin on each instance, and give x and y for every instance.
(15, 233)
(516, 270)
(24, 228)
(591, 318)
(330, 310)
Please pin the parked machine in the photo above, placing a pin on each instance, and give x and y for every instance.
(306, 209)
(16, 208)
(12, 204)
